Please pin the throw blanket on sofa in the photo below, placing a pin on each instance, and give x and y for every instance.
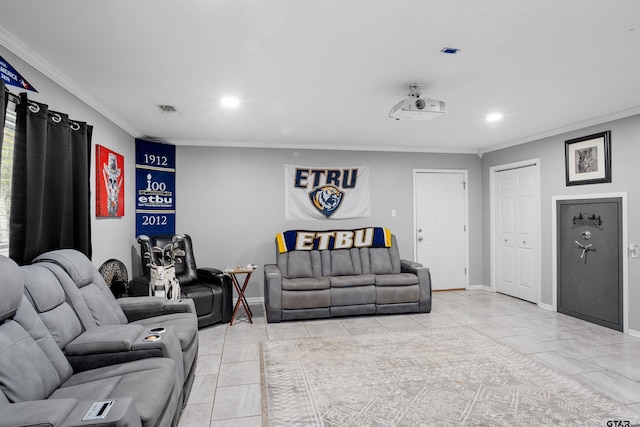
(304, 240)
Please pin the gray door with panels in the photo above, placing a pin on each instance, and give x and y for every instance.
(590, 260)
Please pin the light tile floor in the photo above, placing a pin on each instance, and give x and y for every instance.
(226, 391)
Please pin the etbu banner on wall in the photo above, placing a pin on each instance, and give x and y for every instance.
(155, 188)
(326, 193)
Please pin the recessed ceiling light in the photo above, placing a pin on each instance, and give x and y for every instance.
(230, 102)
(494, 117)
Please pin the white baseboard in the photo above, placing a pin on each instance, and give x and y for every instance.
(479, 287)
(634, 333)
(546, 306)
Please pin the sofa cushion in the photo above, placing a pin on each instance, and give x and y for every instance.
(397, 294)
(12, 288)
(299, 264)
(151, 383)
(306, 284)
(349, 281)
(95, 292)
(383, 261)
(27, 373)
(47, 296)
(342, 262)
(401, 279)
(353, 296)
(306, 299)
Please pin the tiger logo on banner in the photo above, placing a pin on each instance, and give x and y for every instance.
(326, 199)
(326, 193)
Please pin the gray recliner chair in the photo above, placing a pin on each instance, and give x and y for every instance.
(96, 306)
(38, 385)
(99, 346)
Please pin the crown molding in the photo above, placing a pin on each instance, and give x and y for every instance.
(372, 148)
(565, 129)
(40, 64)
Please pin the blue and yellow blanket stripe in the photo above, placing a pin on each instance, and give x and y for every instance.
(370, 237)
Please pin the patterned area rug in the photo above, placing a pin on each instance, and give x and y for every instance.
(435, 377)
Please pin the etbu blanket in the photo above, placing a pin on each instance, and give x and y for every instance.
(303, 240)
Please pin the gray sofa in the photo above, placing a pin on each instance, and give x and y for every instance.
(97, 308)
(307, 284)
(61, 360)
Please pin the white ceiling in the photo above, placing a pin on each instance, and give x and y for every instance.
(325, 73)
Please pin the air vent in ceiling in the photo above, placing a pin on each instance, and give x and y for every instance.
(450, 50)
(167, 108)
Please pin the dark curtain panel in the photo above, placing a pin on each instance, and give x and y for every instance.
(50, 203)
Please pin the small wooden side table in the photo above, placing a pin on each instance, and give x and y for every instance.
(242, 300)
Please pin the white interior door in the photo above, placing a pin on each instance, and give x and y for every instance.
(441, 228)
(516, 234)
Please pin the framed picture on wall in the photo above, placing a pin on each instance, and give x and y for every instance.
(588, 159)
(109, 183)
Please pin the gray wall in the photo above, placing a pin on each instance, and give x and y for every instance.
(111, 237)
(625, 152)
(231, 200)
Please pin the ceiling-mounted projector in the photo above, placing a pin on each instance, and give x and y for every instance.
(415, 108)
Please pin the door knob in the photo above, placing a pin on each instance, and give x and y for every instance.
(420, 239)
(419, 230)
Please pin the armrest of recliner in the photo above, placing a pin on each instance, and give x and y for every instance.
(104, 339)
(112, 344)
(215, 276)
(123, 413)
(68, 413)
(209, 274)
(424, 281)
(137, 308)
(273, 293)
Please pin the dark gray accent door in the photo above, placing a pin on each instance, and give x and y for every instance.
(590, 260)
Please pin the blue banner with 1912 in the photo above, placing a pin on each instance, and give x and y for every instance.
(155, 188)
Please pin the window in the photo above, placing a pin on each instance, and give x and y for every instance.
(6, 171)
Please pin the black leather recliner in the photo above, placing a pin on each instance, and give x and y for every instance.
(210, 289)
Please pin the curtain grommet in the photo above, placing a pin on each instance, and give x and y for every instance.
(34, 107)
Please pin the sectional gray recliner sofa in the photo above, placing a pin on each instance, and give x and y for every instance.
(316, 278)
(68, 349)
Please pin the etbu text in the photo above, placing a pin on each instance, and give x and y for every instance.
(343, 239)
(341, 178)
